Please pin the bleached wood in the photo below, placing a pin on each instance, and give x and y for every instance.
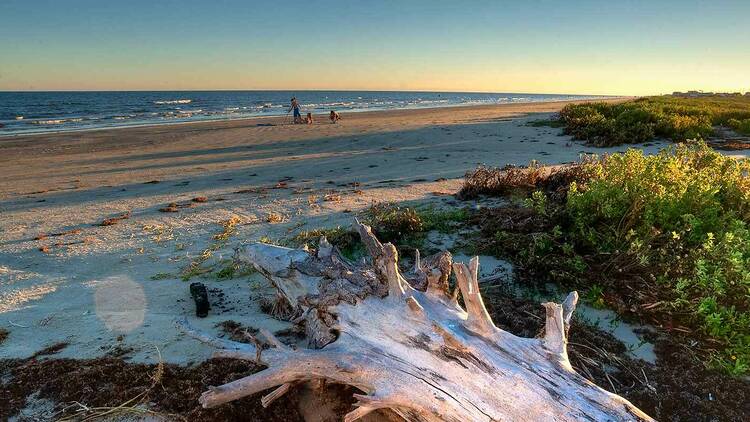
(266, 400)
(408, 345)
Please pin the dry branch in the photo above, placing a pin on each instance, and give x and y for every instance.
(405, 342)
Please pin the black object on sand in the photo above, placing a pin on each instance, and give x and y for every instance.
(200, 296)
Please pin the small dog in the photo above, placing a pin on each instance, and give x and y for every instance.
(334, 117)
(309, 119)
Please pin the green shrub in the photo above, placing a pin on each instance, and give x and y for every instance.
(675, 118)
(346, 239)
(391, 223)
(405, 226)
(740, 126)
(442, 220)
(682, 216)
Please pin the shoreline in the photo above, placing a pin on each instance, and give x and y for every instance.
(82, 159)
(346, 112)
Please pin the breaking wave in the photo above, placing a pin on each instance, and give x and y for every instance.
(182, 101)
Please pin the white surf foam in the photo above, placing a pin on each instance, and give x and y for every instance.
(181, 101)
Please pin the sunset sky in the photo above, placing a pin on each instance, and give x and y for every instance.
(576, 47)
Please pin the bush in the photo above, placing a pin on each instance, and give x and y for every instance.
(499, 180)
(675, 118)
(346, 239)
(740, 126)
(682, 216)
(665, 235)
(391, 223)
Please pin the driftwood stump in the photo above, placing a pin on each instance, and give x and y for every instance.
(407, 344)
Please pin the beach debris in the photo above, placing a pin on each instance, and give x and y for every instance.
(3, 335)
(731, 145)
(236, 331)
(50, 350)
(332, 197)
(44, 249)
(114, 220)
(406, 342)
(252, 190)
(170, 208)
(152, 182)
(200, 296)
(43, 236)
(200, 199)
(175, 207)
(274, 217)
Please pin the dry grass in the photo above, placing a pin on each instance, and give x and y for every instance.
(229, 228)
(500, 180)
(196, 266)
(508, 180)
(274, 217)
(731, 145)
(332, 197)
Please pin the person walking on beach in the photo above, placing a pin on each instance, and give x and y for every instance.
(295, 107)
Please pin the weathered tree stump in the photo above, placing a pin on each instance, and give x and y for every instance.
(407, 344)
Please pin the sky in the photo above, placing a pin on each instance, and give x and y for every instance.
(534, 46)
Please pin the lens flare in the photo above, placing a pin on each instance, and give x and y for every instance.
(120, 303)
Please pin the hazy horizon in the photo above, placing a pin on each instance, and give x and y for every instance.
(305, 90)
(578, 48)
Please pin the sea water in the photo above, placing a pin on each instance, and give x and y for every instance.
(35, 112)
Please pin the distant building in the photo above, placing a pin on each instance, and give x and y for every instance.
(694, 94)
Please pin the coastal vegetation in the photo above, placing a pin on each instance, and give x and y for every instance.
(662, 237)
(665, 117)
(403, 226)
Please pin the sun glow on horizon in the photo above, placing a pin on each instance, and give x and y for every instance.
(554, 47)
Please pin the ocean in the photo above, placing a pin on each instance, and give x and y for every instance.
(38, 112)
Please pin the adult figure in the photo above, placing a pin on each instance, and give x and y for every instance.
(295, 107)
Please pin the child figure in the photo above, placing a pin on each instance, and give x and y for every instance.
(334, 117)
(309, 119)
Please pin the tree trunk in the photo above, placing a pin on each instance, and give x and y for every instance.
(407, 344)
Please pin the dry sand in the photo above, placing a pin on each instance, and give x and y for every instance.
(94, 288)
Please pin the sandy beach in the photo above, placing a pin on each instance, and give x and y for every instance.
(535, 213)
(66, 278)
